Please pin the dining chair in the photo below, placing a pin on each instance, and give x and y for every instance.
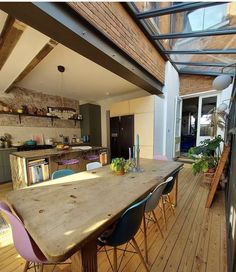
(165, 198)
(23, 242)
(62, 173)
(123, 233)
(149, 212)
(93, 165)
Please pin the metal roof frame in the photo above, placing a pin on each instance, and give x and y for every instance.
(206, 73)
(201, 52)
(173, 9)
(208, 64)
(205, 33)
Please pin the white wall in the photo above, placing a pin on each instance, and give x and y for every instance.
(106, 105)
(166, 110)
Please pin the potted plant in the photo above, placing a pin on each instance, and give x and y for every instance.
(206, 157)
(119, 166)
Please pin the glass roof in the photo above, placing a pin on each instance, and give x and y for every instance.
(191, 33)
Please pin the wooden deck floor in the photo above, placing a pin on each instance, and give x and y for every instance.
(195, 238)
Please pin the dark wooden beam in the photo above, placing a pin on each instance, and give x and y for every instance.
(35, 61)
(63, 24)
(11, 33)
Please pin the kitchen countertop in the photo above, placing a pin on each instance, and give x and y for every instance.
(8, 148)
(50, 152)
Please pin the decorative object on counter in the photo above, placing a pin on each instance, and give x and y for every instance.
(62, 147)
(17, 144)
(39, 139)
(120, 166)
(49, 141)
(6, 140)
(30, 143)
(135, 161)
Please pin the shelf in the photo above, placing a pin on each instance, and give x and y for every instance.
(34, 115)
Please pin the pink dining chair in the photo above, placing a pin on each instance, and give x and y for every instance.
(24, 244)
(160, 158)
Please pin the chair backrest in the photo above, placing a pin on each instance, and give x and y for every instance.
(170, 185)
(128, 224)
(93, 165)
(62, 173)
(24, 244)
(155, 196)
(160, 158)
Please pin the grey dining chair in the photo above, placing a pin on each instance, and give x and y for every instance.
(149, 212)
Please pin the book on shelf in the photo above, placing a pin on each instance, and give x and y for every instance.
(38, 171)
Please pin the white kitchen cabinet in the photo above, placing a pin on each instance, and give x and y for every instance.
(143, 110)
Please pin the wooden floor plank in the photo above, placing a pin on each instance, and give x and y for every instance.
(195, 239)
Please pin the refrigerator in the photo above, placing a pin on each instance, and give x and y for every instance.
(121, 135)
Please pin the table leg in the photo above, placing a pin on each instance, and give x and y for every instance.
(176, 190)
(85, 260)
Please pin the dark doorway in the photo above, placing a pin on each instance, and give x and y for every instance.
(189, 124)
(121, 135)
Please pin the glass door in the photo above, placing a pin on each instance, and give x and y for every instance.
(178, 118)
(207, 105)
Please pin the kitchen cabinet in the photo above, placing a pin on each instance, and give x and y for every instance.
(91, 124)
(144, 111)
(5, 169)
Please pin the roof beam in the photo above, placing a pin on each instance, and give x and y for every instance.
(35, 61)
(11, 33)
(176, 8)
(208, 64)
(201, 52)
(63, 24)
(195, 34)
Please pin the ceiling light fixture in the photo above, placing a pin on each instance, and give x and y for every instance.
(222, 82)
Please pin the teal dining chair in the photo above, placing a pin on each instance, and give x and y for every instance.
(62, 173)
(123, 232)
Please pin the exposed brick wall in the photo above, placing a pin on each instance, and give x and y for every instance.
(20, 96)
(113, 20)
(190, 84)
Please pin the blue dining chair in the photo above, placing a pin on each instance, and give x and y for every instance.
(62, 173)
(124, 231)
(149, 214)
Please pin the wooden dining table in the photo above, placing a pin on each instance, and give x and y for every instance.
(66, 216)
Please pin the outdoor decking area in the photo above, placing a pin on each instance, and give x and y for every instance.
(195, 239)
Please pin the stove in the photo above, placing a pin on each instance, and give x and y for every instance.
(35, 147)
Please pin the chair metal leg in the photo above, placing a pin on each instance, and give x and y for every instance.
(145, 238)
(140, 254)
(115, 259)
(158, 226)
(41, 268)
(26, 267)
(163, 211)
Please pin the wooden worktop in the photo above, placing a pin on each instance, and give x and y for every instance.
(49, 152)
(62, 215)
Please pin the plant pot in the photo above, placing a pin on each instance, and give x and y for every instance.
(208, 177)
(120, 172)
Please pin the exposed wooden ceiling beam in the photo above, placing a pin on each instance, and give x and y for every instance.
(35, 61)
(11, 33)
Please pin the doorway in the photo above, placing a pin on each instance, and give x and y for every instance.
(189, 124)
(196, 121)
